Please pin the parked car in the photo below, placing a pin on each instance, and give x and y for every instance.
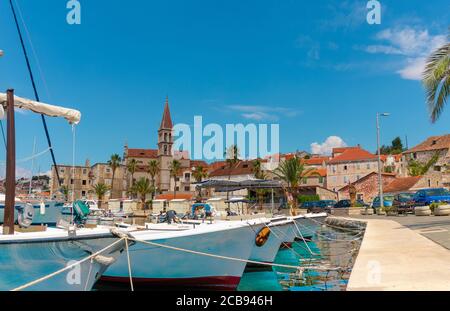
(387, 200)
(429, 196)
(404, 203)
(348, 204)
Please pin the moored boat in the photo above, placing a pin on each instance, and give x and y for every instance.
(28, 256)
(161, 266)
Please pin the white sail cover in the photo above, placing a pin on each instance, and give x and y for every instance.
(71, 115)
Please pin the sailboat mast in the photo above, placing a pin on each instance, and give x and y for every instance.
(8, 222)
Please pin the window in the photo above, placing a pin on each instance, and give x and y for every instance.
(71, 181)
(177, 178)
(358, 166)
(84, 182)
(61, 181)
(84, 171)
(177, 188)
(345, 179)
(187, 176)
(83, 193)
(108, 170)
(345, 167)
(305, 180)
(320, 180)
(368, 166)
(187, 188)
(61, 170)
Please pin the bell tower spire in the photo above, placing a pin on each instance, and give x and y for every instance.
(165, 144)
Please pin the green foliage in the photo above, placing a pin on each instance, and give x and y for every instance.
(100, 190)
(308, 198)
(435, 205)
(417, 168)
(396, 147)
(436, 80)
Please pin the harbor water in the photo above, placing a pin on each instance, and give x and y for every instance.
(330, 254)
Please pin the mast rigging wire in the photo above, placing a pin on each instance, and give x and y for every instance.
(44, 122)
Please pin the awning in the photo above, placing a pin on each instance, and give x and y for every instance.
(229, 186)
(71, 115)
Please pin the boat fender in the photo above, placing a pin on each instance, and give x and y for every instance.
(42, 208)
(104, 260)
(262, 237)
(25, 215)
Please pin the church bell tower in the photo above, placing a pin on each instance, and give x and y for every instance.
(165, 145)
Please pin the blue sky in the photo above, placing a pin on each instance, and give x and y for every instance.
(315, 67)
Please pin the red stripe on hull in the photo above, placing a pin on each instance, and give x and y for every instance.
(212, 282)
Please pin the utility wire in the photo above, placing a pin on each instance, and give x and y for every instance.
(44, 122)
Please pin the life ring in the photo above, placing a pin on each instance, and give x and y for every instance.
(262, 237)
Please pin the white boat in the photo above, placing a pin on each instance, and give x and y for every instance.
(153, 265)
(45, 212)
(272, 237)
(26, 257)
(308, 224)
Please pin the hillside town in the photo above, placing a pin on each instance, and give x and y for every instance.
(325, 177)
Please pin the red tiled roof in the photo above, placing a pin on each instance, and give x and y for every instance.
(242, 168)
(143, 153)
(195, 163)
(352, 154)
(216, 165)
(170, 196)
(432, 143)
(322, 172)
(402, 184)
(316, 160)
(367, 176)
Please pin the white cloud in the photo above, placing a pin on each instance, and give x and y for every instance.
(411, 43)
(20, 172)
(260, 113)
(327, 146)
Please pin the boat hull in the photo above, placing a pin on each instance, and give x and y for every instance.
(278, 236)
(153, 265)
(308, 225)
(24, 261)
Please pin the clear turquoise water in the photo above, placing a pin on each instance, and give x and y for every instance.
(327, 253)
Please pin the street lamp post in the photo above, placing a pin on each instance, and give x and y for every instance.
(380, 178)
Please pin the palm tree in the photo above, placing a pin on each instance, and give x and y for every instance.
(100, 190)
(436, 79)
(175, 169)
(114, 163)
(199, 174)
(153, 170)
(65, 191)
(143, 187)
(259, 174)
(132, 167)
(291, 172)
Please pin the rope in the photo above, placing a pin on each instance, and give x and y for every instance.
(331, 239)
(44, 122)
(3, 133)
(49, 276)
(215, 256)
(30, 158)
(129, 265)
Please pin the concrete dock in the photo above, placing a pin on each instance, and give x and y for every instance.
(395, 258)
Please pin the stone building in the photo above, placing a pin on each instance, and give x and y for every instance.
(77, 179)
(348, 165)
(367, 187)
(438, 174)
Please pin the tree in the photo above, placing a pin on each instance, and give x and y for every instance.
(100, 190)
(114, 163)
(396, 147)
(132, 167)
(436, 79)
(259, 174)
(143, 187)
(175, 169)
(417, 168)
(291, 172)
(153, 170)
(65, 192)
(199, 174)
